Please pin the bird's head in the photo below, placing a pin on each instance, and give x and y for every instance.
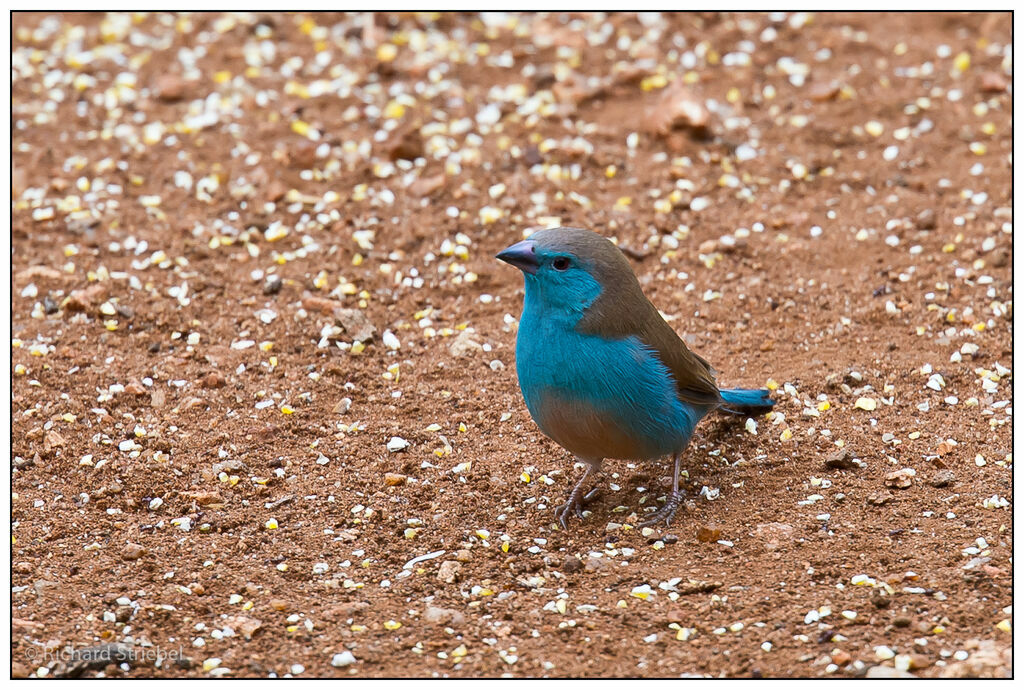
(568, 269)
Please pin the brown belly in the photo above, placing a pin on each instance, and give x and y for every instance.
(585, 432)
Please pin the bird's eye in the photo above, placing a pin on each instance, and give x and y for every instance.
(560, 263)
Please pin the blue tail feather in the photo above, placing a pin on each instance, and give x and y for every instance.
(747, 400)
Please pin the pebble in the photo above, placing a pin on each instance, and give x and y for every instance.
(993, 82)
(86, 298)
(708, 534)
(214, 379)
(926, 219)
(900, 479)
(942, 478)
(443, 616)
(463, 345)
(841, 657)
(170, 88)
(52, 441)
(864, 403)
(342, 659)
(273, 285)
(774, 535)
(880, 598)
(449, 572)
(245, 625)
(842, 459)
(393, 479)
(572, 564)
(355, 323)
(887, 672)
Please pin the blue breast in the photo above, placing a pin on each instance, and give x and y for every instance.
(599, 398)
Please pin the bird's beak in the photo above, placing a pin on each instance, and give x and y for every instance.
(522, 255)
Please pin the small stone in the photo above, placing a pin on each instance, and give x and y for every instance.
(136, 389)
(397, 444)
(463, 345)
(441, 616)
(229, 465)
(919, 661)
(425, 186)
(52, 441)
(302, 155)
(449, 572)
(865, 403)
(355, 324)
(708, 534)
(942, 478)
(841, 657)
(157, 398)
(926, 219)
(342, 406)
(999, 258)
(342, 659)
(902, 622)
(132, 552)
(278, 604)
(214, 379)
(245, 625)
(572, 564)
(85, 299)
(887, 672)
(900, 479)
(677, 615)
(595, 564)
(41, 587)
(880, 598)
(842, 459)
(879, 499)
(273, 285)
(37, 273)
(823, 91)
(408, 147)
(463, 555)
(774, 535)
(393, 479)
(993, 82)
(170, 88)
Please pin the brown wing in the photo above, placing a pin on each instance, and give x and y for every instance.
(694, 377)
(622, 311)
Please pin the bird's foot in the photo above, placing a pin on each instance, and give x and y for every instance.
(666, 512)
(575, 505)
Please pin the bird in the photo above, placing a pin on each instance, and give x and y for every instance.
(601, 371)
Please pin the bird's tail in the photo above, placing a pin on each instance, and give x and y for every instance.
(746, 401)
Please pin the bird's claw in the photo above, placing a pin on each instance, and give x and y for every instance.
(666, 512)
(575, 505)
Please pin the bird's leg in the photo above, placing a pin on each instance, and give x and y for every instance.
(577, 499)
(672, 504)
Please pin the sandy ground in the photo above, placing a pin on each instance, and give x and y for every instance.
(264, 358)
